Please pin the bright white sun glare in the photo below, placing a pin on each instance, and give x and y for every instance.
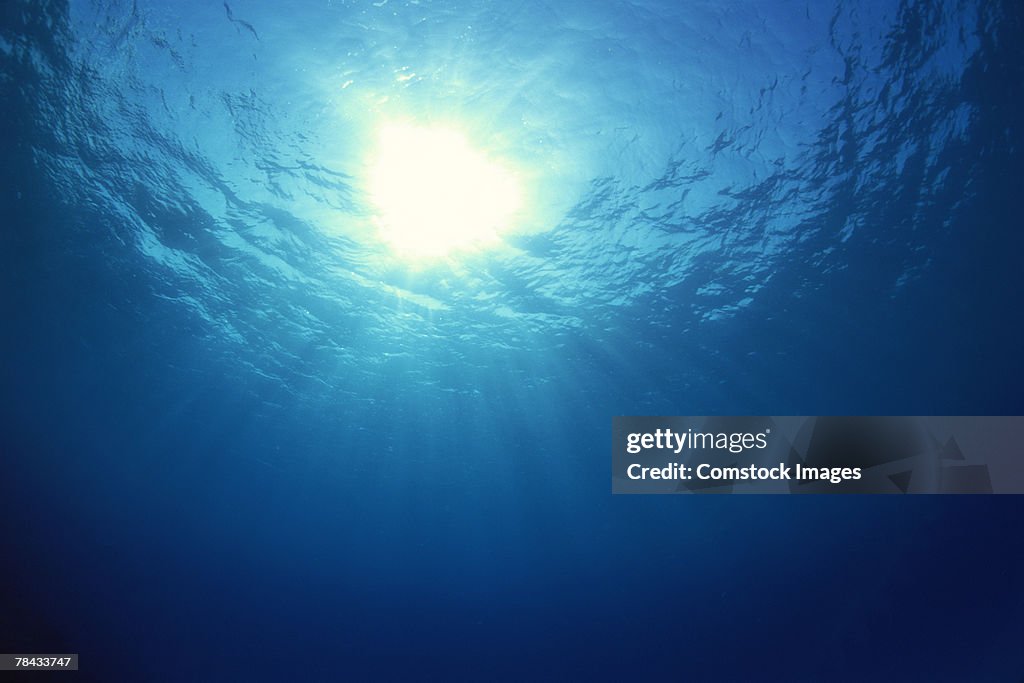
(435, 194)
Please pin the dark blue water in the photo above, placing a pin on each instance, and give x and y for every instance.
(241, 440)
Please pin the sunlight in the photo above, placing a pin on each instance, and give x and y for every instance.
(435, 195)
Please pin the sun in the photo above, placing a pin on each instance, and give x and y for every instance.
(435, 195)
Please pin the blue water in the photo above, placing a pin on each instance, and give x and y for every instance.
(241, 440)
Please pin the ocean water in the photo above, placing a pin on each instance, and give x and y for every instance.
(242, 439)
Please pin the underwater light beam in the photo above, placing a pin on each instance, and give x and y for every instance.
(434, 194)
